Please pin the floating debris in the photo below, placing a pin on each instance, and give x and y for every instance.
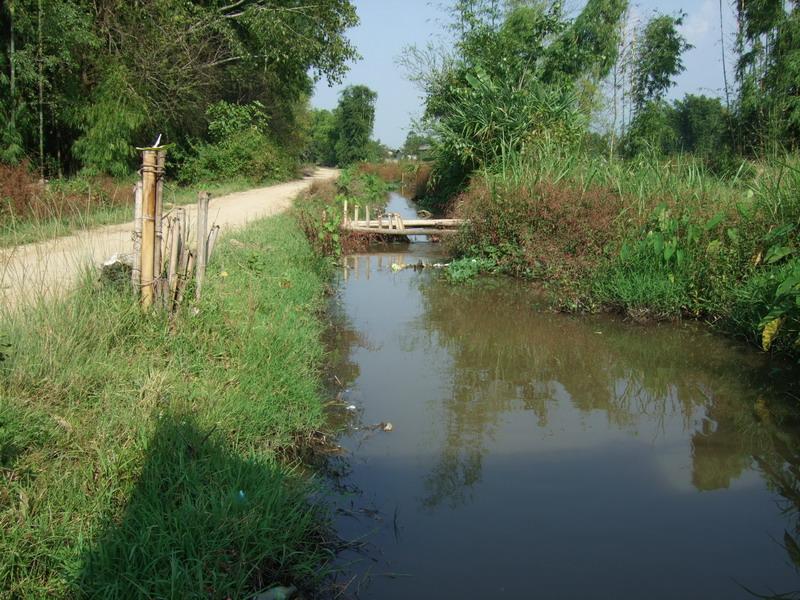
(277, 593)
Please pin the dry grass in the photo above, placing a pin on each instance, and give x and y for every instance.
(545, 230)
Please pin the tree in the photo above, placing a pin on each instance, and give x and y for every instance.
(702, 125)
(659, 59)
(322, 140)
(114, 73)
(355, 119)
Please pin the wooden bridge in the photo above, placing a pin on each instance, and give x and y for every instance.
(392, 224)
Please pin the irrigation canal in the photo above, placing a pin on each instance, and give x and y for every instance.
(540, 455)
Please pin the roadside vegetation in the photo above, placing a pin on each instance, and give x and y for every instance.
(149, 458)
(658, 210)
(83, 85)
(320, 210)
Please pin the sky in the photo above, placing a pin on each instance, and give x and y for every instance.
(387, 26)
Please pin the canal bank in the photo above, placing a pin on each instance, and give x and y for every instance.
(535, 453)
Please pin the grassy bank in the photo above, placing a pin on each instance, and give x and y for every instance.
(146, 459)
(651, 239)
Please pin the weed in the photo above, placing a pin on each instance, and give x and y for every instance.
(143, 458)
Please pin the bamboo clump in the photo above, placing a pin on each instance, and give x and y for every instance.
(164, 260)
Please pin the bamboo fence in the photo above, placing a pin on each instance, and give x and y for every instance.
(165, 261)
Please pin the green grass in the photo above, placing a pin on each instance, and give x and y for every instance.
(84, 211)
(651, 238)
(146, 459)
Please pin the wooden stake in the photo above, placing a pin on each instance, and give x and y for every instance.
(345, 211)
(136, 274)
(202, 241)
(163, 279)
(148, 225)
(367, 215)
(158, 265)
(212, 241)
(172, 270)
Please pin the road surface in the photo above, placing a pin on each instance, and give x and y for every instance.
(43, 270)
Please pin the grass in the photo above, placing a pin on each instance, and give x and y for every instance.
(72, 205)
(146, 459)
(654, 239)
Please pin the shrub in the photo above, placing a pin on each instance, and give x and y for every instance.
(240, 147)
(542, 229)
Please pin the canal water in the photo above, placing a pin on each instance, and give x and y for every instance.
(541, 455)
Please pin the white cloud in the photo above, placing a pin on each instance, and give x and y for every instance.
(701, 22)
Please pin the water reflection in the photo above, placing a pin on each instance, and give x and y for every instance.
(502, 406)
(644, 380)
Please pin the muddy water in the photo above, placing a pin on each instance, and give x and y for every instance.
(537, 455)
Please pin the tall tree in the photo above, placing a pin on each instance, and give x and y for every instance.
(115, 72)
(659, 59)
(355, 120)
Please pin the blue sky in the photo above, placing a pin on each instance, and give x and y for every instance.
(387, 26)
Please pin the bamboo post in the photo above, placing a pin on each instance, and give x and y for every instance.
(345, 212)
(163, 291)
(172, 269)
(366, 208)
(212, 241)
(136, 274)
(355, 213)
(158, 266)
(201, 252)
(190, 262)
(149, 193)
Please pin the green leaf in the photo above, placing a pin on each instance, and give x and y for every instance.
(745, 211)
(777, 253)
(733, 235)
(714, 221)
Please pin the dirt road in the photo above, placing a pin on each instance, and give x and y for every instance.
(43, 270)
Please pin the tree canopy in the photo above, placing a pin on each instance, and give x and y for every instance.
(84, 82)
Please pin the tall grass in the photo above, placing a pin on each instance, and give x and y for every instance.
(31, 211)
(143, 458)
(651, 238)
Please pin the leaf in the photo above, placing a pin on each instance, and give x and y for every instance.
(473, 81)
(745, 211)
(669, 249)
(777, 253)
(680, 255)
(770, 331)
(714, 221)
(733, 235)
(658, 242)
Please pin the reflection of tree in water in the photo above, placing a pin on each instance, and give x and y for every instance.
(782, 471)
(508, 356)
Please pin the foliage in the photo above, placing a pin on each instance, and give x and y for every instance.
(143, 458)
(354, 120)
(512, 81)
(321, 148)
(658, 59)
(240, 147)
(115, 74)
(465, 269)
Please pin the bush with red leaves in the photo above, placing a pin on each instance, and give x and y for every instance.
(544, 230)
